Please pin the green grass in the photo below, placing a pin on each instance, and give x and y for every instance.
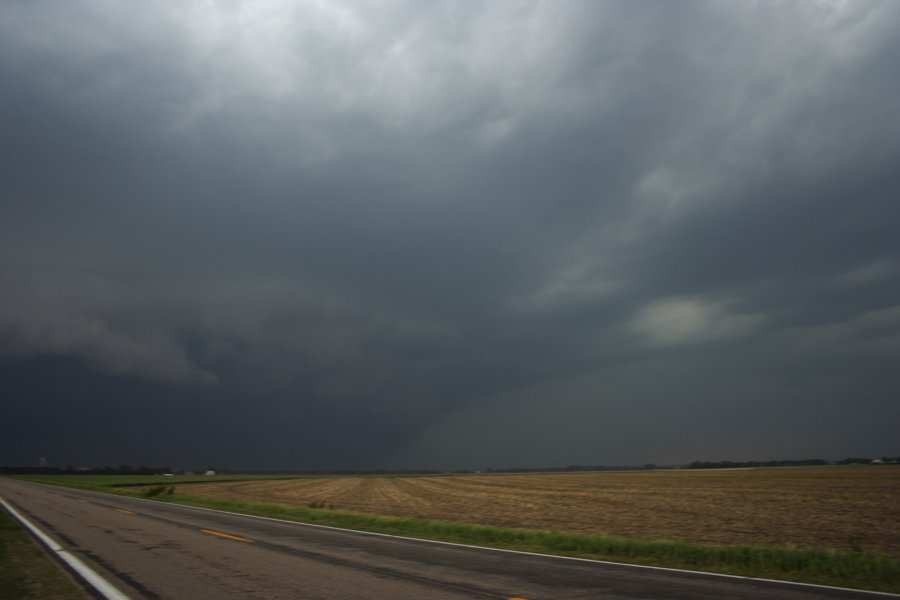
(820, 566)
(26, 571)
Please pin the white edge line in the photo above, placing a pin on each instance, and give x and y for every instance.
(95, 580)
(489, 548)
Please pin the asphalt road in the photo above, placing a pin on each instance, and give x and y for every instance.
(155, 550)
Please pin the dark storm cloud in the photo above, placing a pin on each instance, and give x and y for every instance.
(451, 234)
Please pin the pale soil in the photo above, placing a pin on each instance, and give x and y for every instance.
(854, 507)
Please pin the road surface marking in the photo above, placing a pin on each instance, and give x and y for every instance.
(225, 535)
(103, 587)
(127, 512)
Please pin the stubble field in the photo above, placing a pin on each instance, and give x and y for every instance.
(849, 507)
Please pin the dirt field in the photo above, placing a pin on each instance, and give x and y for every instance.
(851, 508)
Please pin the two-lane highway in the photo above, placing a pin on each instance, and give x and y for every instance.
(158, 550)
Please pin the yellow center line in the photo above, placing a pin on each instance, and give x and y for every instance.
(127, 512)
(225, 535)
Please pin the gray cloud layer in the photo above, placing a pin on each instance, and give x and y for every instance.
(452, 234)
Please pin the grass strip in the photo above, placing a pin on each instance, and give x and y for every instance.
(26, 571)
(808, 565)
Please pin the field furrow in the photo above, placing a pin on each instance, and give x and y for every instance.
(849, 508)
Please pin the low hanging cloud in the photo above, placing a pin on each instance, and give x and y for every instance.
(88, 318)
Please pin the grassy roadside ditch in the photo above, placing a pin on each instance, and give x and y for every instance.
(26, 571)
(819, 566)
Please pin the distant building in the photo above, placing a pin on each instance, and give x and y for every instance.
(210, 472)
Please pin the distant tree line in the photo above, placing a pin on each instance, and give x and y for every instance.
(809, 462)
(728, 464)
(70, 470)
(569, 468)
(698, 464)
(887, 460)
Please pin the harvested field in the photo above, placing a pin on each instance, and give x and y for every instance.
(848, 508)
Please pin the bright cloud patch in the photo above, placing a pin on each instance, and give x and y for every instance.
(689, 321)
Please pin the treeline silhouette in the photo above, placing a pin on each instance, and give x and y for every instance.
(809, 462)
(120, 470)
(697, 464)
(728, 464)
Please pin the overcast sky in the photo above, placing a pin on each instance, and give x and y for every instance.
(434, 234)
